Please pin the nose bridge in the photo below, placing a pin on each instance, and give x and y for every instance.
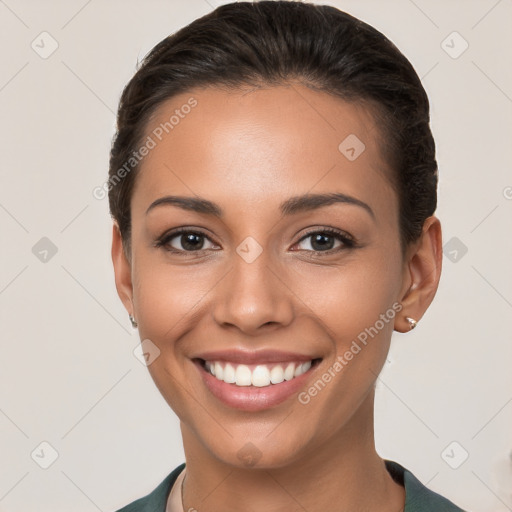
(251, 294)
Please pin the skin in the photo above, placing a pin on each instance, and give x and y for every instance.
(248, 151)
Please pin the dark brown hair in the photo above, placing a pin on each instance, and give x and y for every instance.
(273, 43)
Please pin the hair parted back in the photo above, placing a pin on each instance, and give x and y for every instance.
(269, 43)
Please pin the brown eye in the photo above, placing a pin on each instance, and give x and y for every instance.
(185, 240)
(324, 241)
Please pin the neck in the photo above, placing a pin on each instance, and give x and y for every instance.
(342, 472)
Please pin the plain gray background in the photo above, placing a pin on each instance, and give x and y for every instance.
(68, 374)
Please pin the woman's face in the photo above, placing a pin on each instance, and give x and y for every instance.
(259, 276)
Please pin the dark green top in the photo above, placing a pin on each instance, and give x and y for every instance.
(417, 497)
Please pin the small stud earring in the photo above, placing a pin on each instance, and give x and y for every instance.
(133, 321)
(412, 323)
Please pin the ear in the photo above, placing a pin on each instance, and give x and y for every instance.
(122, 270)
(422, 272)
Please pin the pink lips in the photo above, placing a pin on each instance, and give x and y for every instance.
(263, 356)
(251, 398)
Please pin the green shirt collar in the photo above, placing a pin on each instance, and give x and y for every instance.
(418, 498)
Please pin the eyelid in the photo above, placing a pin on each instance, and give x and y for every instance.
(164, 239)
(333, 231)
(348, 242)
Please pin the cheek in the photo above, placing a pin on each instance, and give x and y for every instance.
(349, 298)
(167, 299)
(167, 296)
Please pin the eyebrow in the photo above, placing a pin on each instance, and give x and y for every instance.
(291, 206)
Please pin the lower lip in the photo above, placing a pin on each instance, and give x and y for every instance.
(253, 398)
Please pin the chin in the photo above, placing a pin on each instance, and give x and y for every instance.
(254, 454)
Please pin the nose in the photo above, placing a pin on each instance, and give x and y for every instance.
(253, 296)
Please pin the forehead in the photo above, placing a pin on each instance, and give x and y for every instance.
(247, 146)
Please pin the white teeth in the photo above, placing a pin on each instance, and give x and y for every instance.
(303, 368)
(260, 376)
(229, 374)
(276, 375)
(219, 371)
(289, 372)
(242, 375)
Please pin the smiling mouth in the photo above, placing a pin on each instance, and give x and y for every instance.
(256, 375)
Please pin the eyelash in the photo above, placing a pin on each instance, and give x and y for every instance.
(345, 238)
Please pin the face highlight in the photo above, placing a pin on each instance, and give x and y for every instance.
(252, 229)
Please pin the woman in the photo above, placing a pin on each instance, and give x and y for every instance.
(273, 184)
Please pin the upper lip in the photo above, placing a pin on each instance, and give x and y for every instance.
(253, 356)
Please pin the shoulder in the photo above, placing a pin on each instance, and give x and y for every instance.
(156, 500)
(419, 498)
